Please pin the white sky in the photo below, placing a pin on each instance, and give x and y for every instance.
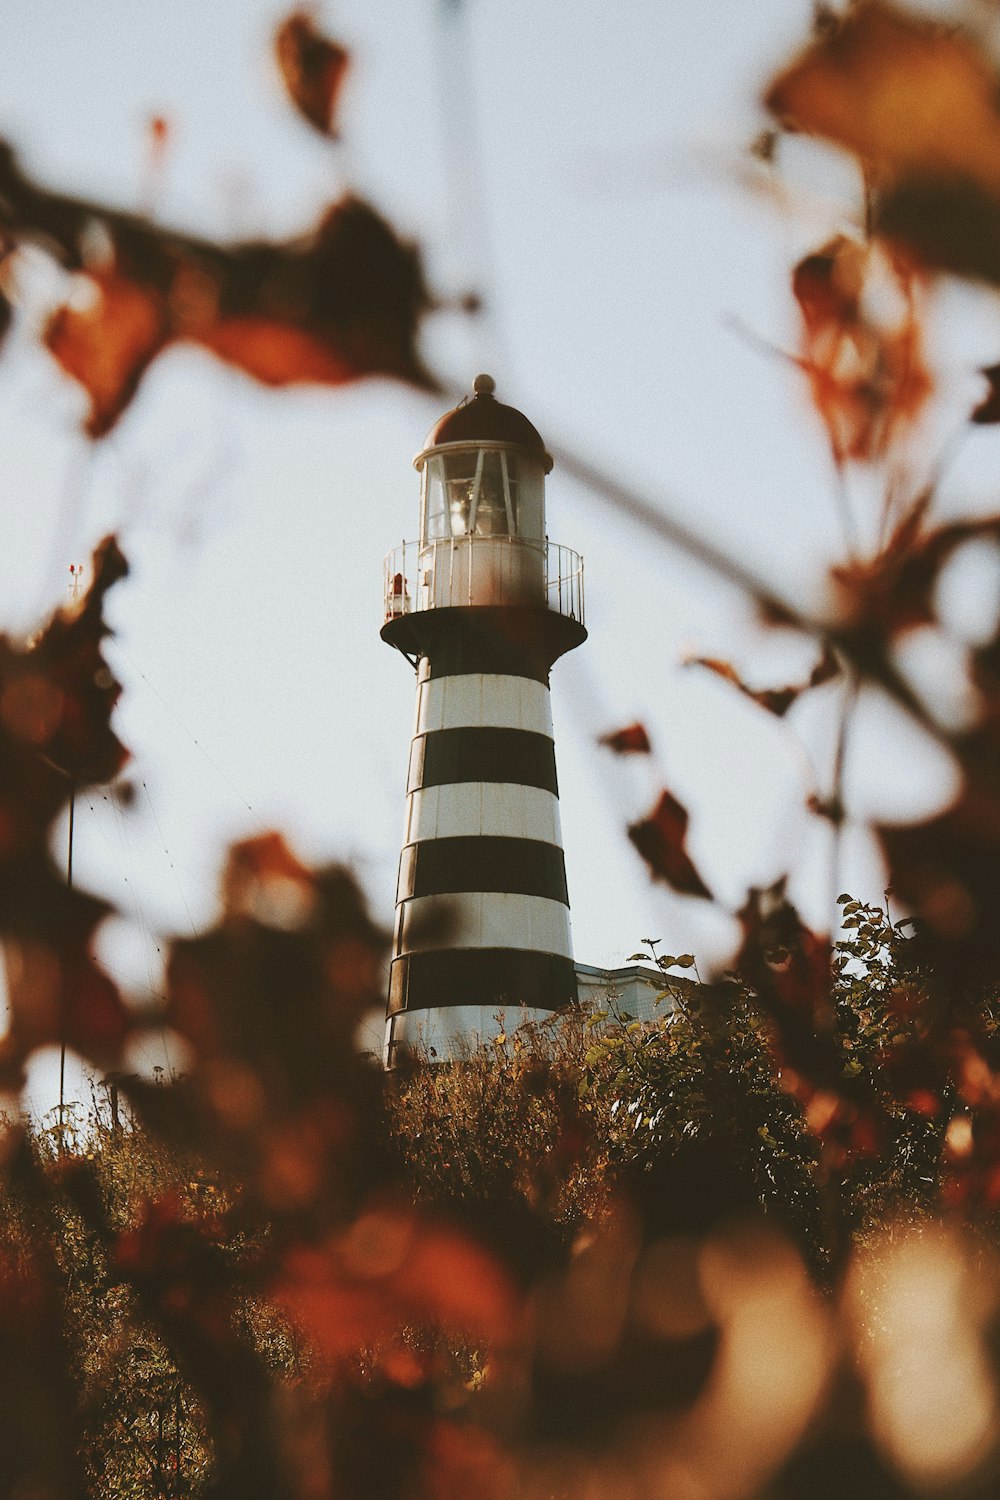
(619, 245)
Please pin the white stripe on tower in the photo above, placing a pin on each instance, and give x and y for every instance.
(485, 699)
(484, 919)
(494, 808)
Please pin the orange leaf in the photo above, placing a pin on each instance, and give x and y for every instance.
(335, 304)
(660, 840)
(828, 284)
(632, 740)
(895, 590)
(312, 69)
(108, 345)
(275, 354)
(907, 94)
(869, 381)
(68, 656)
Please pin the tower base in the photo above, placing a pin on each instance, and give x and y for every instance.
(448, 1034)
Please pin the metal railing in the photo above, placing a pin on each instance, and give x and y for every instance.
(469, 570)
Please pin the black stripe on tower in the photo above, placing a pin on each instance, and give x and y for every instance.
(491, 977)
(443, 866)
(518, 756)
(504, 640)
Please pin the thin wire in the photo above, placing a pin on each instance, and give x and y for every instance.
(188, 731)
(669, 528)
(141, 922)
(159, 827)
(71, 509)
(62, 1028)
(170, 859)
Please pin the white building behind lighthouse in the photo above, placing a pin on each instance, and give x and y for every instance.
(482, 605)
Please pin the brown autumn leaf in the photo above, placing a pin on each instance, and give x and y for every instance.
(988, 411)
(56, 701)
(944, 224)
(312, 69)
(828, 283)
(947, 871)
(660, 839)
(776, 700)
(789, 968)
(108, 344)
(894, 591)
(917, 101)
(342, 301)
(869, 380)
(268, 1002)
(68, 654)
(263, 872)
(909, 95)
(788, 965)
(632, 740)
(57, 992)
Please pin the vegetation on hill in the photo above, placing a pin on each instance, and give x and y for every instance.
(531, 1266)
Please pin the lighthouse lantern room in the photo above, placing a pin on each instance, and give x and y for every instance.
(481, 605)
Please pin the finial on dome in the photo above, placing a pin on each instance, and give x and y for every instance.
(484, 420)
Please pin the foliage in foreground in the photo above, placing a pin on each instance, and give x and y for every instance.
(547, 1273)
(589, 1241)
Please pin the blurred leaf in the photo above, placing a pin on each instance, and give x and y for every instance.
(108, 345)
(828, 284)
(776, 700)
(944, 224)
(312, 68)
(56, 701)
(660, 839)
(630, 741)
(895, 589)
(868, 378)
(789, 968)
(906, 93)
(342, 301)
(68, 659)
(988, 410)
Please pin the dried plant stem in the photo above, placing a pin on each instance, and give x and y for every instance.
(848, 703)
(845, 510)
(628, 502)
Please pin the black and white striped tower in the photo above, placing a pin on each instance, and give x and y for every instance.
(481, 605)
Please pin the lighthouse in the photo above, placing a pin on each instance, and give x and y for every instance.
(481, 605)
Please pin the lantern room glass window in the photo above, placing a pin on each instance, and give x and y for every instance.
(473, 492)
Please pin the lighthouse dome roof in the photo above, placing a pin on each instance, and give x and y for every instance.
(484, 419)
